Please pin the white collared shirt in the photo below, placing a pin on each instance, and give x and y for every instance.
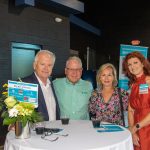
(49, 98)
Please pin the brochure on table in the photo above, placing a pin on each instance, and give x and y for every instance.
(23, 92)
(109, 128)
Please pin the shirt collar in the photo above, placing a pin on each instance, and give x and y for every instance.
(41, 83)
(77, 83)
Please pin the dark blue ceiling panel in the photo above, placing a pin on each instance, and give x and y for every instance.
(68, 6)
(25, 2)
(81, 23)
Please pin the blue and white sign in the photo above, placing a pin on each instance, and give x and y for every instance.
(143, 89)
(23, 92)
(124, 50)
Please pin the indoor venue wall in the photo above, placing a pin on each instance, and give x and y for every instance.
(80, 39)
(33, 26)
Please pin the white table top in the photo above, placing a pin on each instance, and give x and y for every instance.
(82, 136)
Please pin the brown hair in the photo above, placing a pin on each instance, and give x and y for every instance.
(143, 60)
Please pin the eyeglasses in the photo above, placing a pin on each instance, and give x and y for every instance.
(44, 137)
(72, 70)
(49, 133)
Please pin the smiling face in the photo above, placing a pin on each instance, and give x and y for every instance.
(135, 66)
(43, 66)
(73, 71)
(107, 77)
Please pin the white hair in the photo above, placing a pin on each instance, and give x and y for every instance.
(74, 58)
(52, 55)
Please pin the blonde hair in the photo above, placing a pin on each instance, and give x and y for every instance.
(103, 67)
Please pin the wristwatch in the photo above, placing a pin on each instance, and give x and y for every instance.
(137, 125)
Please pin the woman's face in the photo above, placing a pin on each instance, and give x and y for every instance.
(107, 77)
(135, 66)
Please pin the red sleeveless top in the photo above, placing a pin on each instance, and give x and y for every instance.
(141, 104)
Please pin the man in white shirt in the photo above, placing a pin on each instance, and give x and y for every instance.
(47, 101)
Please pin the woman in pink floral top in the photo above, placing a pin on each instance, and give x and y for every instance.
(104, 102)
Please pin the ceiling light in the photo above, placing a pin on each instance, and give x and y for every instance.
(135, 42)
(57, 19)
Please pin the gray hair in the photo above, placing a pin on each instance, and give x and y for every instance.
(52, 55)
(74, 58)
(103, 67)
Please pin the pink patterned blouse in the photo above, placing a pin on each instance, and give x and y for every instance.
(110, 111)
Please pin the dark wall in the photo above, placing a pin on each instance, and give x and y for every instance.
(113, 36)
(80, 39)
(119, 22)
(34, 26)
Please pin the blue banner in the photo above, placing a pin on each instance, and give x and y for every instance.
(124, 50)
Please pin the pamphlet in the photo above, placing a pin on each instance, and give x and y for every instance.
(110, 128)
(23, 92)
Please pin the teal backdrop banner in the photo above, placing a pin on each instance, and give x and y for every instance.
(124, 50)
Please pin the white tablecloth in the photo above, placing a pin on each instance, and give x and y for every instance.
(82, 136)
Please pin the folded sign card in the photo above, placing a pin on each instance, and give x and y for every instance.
(23, 92)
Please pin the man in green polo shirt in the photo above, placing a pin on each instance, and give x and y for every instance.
(72, 92)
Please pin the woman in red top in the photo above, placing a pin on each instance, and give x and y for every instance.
(137, 69)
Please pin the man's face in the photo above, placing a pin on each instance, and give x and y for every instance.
(43, 67)
(73, 71)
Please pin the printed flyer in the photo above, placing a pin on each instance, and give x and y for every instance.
(23, 92)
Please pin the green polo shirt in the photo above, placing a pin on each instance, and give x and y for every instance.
(73, 99)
